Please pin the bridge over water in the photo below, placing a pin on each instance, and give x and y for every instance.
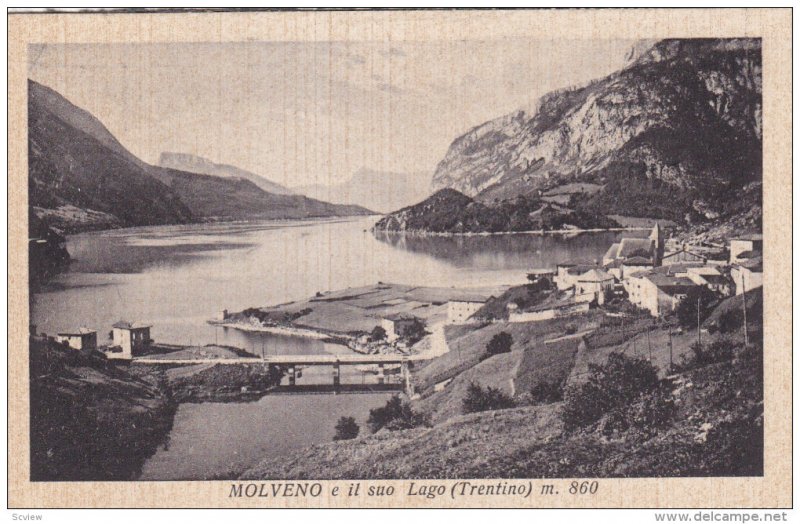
(293, 362)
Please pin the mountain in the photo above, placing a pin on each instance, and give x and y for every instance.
(382, 191)
(197, 164)
(449, 211)
(73, 160)
(80, 177)
(676, 134)
(213, 197)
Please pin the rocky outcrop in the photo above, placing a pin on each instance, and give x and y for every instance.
(685, 113)
(448, 211)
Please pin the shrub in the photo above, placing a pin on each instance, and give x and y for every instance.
(346, 429)
(571, 329)
(478, 399)
(620, 380)
(396, 414)
(378, 333)
(500, 343)
(415, 332)
(703, 355)
(547, 393)
(687, 309)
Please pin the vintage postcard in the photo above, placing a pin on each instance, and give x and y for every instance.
(467, 258)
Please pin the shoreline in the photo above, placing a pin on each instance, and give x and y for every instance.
(338, 338)
(419, 233)
(255, 220)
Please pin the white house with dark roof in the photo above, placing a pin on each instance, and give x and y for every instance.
(128, 339)
(657, 292)
(593, 285)
(567, 274)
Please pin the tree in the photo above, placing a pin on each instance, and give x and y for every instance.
(687, 309)
(346, 429)
(378, 333)
(620, 380)
(396, 414)
(478, 399)
(546, 393)
(500, 343)
(415, 332)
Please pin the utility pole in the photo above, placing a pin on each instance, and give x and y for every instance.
(698, 324)
(669, 331)
(744, 309)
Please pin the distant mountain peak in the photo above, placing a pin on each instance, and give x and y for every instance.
(198, 164)
(382, 191)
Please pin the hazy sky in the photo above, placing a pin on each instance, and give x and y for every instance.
(301, 113)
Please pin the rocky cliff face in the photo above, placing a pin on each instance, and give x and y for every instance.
(685, 114)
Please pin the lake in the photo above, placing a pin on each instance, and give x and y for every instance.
(178, 277)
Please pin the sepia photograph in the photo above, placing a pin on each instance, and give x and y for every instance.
(528, 257)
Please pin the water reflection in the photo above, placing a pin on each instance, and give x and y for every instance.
(492, 252)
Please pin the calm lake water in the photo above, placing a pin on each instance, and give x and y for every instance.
(177, 277)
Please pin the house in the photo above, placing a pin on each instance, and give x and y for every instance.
(539, 275)
(460, 311)
(634, 264)
(747, 275)
(657, 292)
(683, 255)
(710, 277)
(559, 309)
(650, 248)
(567, 274)
(593, 286)
(81, 339)
(400, 326)
(128, 340)
(743, 247)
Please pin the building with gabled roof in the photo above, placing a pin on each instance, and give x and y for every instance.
(81, 339)
(593, 285)
(657, 292)
(129, 339)
(400, 325)
(650, 248)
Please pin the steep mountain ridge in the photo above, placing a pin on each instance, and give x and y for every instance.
(74, 160)
(81, 177)
(684, 119)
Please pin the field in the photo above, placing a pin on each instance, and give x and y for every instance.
(361, 309)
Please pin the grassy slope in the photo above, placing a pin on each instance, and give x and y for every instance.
(89, 419)
(716, 428)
